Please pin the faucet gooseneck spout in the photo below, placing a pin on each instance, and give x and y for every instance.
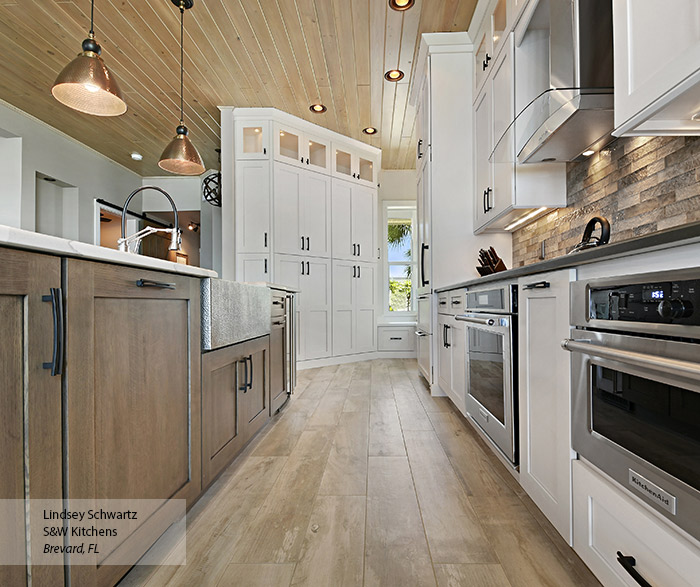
(125, 243)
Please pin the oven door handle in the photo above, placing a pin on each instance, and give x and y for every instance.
(669, 366)
(485, 321)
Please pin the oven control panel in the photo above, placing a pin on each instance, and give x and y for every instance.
(668, 302)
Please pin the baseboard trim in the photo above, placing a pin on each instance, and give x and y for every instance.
(345, 359)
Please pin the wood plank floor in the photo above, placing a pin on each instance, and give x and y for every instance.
(365, 479)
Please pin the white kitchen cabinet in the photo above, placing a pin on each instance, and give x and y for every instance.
(395, 338)
(252, 140)
(608, 520)
(302, 149)
(490, 38)
(506, 191)
(253, 268)
(545, 395)
(423, 125)
(458, 383)
(252, 206)
(353, 165)
(354, 286)
(353, 225)
(657, 67)
(444, 352)
(312, 277)
(424, 230)
(302, 208)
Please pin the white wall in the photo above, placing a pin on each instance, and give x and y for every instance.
(46, 150)
(185, 190)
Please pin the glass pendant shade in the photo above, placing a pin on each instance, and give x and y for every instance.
(181, 156)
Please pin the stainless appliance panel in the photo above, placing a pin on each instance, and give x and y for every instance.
(637, 417)
(490, 377)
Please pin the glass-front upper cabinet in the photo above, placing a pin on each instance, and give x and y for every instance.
(354, 166)
(302, 149)
(288, 144)
(252, 139)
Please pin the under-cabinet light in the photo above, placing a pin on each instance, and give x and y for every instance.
(588, 153)
(526, 218)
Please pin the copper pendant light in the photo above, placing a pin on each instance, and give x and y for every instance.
(181, 156)
(86, 85)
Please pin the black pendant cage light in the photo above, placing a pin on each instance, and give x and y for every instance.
(85, 84)
(181, 156)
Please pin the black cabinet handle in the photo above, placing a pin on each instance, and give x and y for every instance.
(354, 271)
(359, 250)
(308, 268)
(537, 285)
(485, 63)
(424, 281)
(354, 249)
(359, 272)
(308, 243)
(419, 152)
(244, 387)
(628, 563)
(302, 159)
(395, 338)
(279, 322)
(302, 243)
(157, 284)
(250, 358)
(307, 160)
(264, 150)
(443, 302)
(444, 337)
(302, 267)
(447, 344)
(265, 265)
(56, 299)
(483, 201)
(456, 302)
(488, 199)
(265, 240)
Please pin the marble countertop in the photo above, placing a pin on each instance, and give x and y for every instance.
(664, 239)
(34, 241)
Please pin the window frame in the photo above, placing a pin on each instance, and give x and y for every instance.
(411, 205)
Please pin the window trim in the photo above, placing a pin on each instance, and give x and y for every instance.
(413, 206)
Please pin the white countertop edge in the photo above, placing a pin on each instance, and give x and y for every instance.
(35, 241)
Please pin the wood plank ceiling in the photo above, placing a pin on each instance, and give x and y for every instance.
(287, 54)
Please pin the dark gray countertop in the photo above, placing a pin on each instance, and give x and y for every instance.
(687, 234)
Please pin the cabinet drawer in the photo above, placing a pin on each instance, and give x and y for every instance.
(278, 306)
(443, 303)
(606, 521)
(457, 298)
(397, 338)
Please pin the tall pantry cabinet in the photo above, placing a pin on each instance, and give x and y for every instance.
(442, 93)
(302, 204)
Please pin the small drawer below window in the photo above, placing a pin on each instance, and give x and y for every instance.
(397, 338)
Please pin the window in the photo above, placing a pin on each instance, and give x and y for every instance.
(400, 256)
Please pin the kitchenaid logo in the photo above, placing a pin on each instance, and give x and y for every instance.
(653, 491)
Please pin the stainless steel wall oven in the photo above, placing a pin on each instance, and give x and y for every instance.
(491, 343)
(636, 386)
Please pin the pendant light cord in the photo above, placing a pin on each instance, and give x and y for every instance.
(182, 67)
(92, 18)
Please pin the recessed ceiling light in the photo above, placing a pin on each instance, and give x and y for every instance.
(317, 108)
(393, 75)
(370, 130)
(695, 117)
(588, 153)
(136, 156)
(401, 4)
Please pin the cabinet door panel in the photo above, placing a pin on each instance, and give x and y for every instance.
(344, 273)
(288, 144)
(287, 209)
(315, 329)
(364, 223)
(482, 125)
(252, 139)
(222, 407)
(278, 366)
(254, 401)
(503, 175)
(252, 207)
(138, 433)
(288, 272)
(458, 382)
(253, 268)
(365, 319)
(30, 404)
(316, 284)
(316, 213)
(342, 220)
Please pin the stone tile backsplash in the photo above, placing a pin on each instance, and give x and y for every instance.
(640, 184)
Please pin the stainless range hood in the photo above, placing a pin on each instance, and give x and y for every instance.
(573, 110)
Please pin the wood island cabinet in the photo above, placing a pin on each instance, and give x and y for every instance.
(235, 399)
(133, 396)
(278, 351)
(30, 398)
